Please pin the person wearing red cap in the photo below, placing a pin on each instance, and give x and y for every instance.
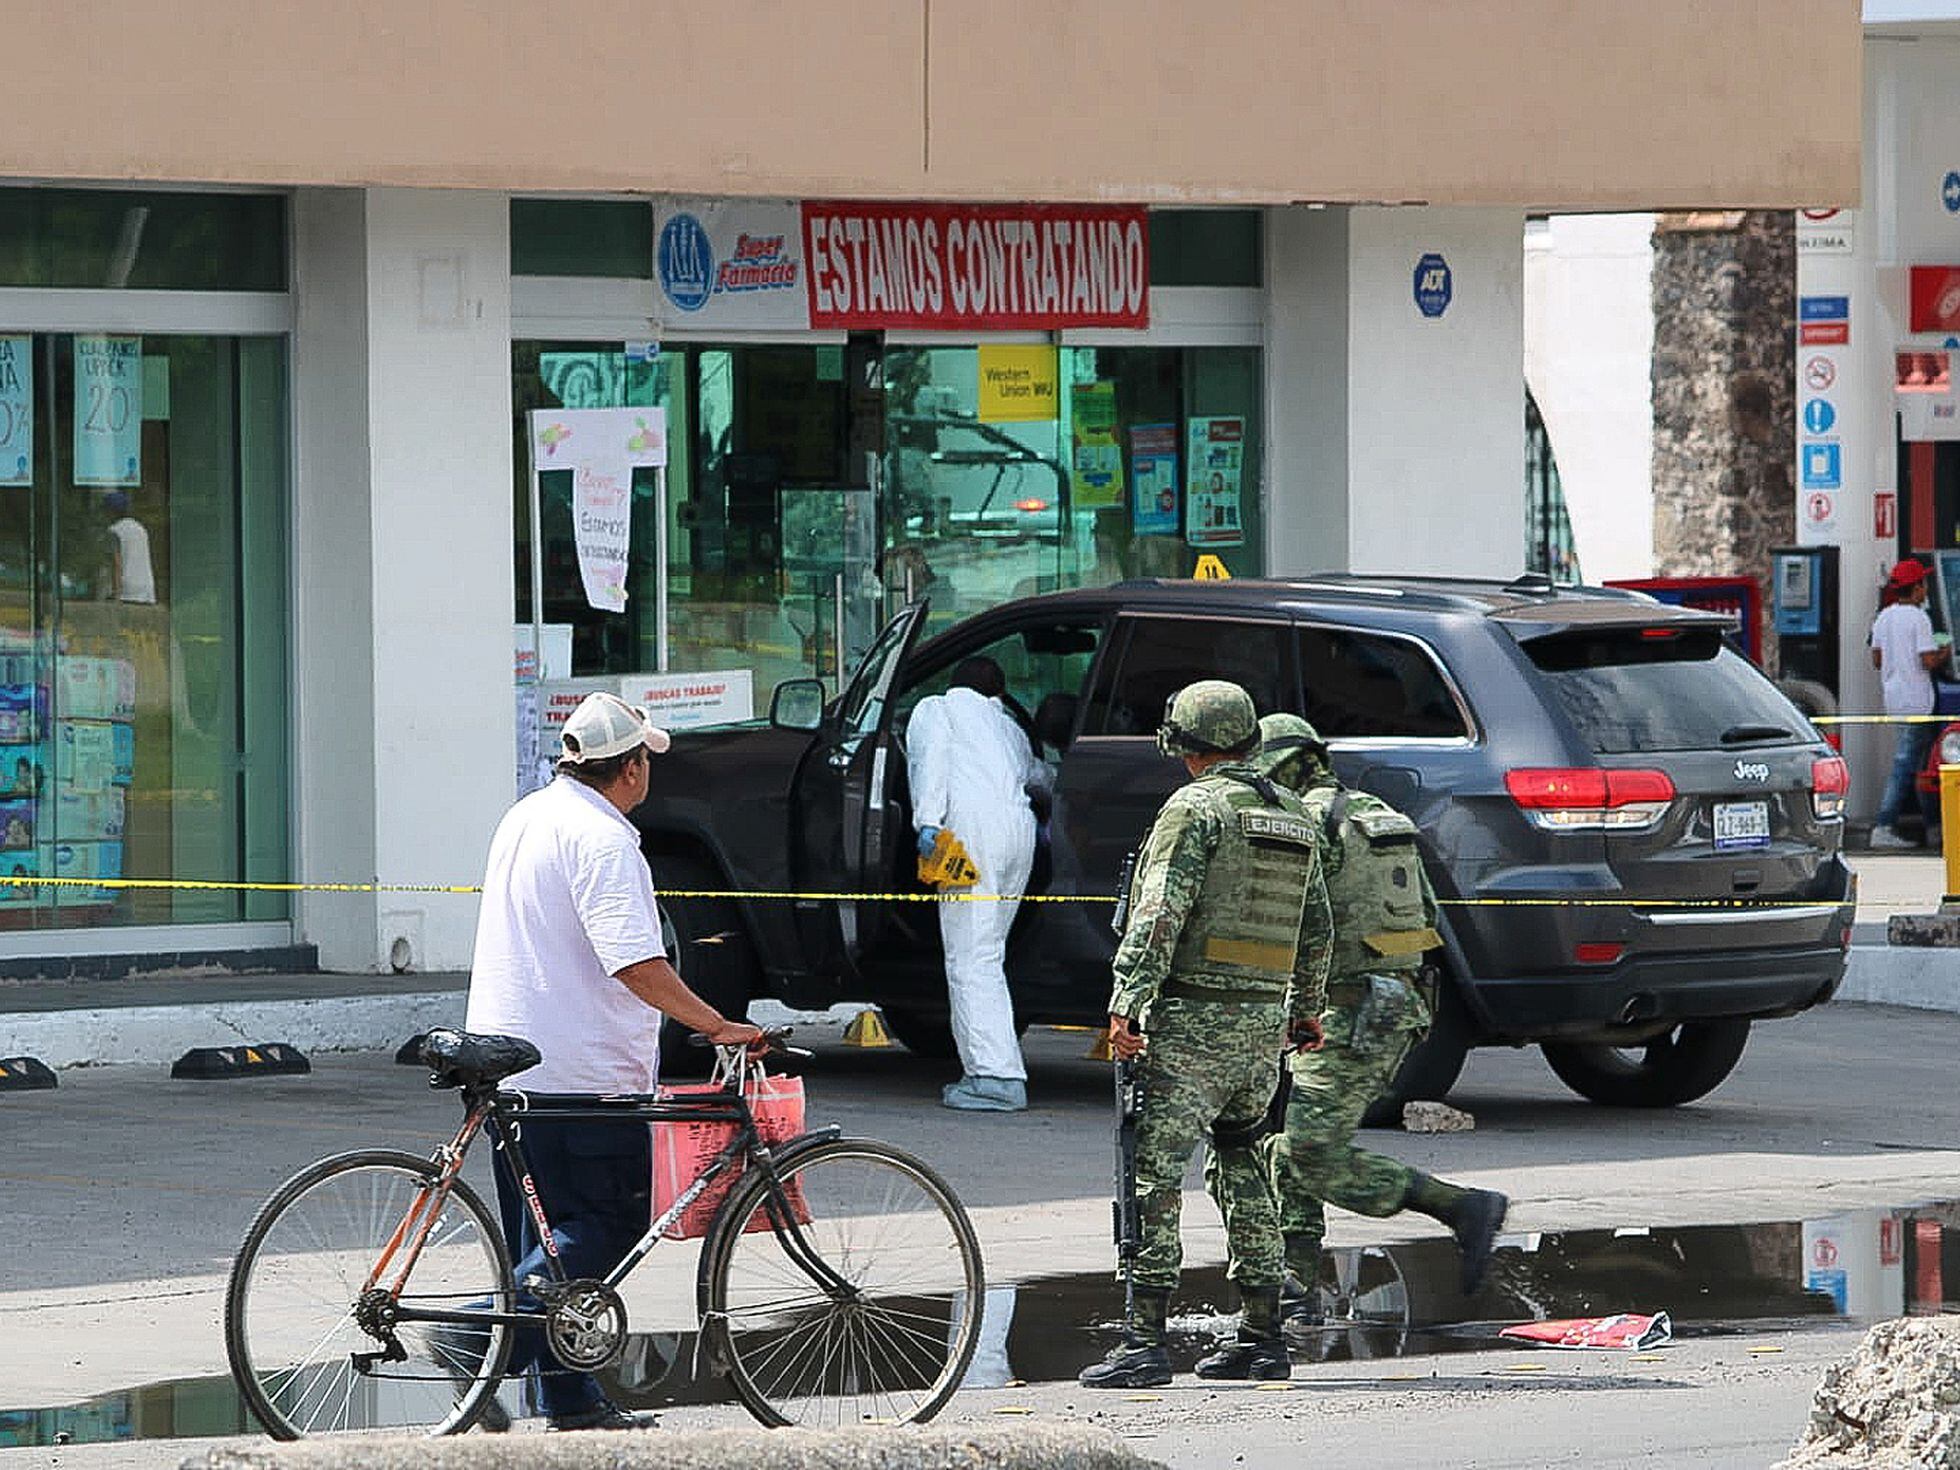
(1905, 653)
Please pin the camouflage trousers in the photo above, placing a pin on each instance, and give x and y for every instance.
(1208, 1062)
(1313, 1160)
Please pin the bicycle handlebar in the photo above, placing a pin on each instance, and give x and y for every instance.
(774, 1041)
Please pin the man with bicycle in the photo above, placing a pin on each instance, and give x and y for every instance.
(570, 955)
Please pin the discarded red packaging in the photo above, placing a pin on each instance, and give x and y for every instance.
(1633, 1330)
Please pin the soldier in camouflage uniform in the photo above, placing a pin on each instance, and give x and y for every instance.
(1384, 921)
(1223, 959)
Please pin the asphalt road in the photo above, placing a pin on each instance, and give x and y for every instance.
(125, 1194)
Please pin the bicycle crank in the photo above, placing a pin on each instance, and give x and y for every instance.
(585, 1324)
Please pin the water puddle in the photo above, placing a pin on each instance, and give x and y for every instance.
(1379, 1302)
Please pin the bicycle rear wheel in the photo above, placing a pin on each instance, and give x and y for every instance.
(300, 1319)
(860, 1304)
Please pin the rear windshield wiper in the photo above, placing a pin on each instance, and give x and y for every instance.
(1744, 734)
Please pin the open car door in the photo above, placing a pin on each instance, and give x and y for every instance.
(848, 827)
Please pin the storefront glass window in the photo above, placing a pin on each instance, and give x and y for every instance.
(813, 488)
(155, 241)
(1136, 461)
(1207, 247)
(581, 237)
(143, 617)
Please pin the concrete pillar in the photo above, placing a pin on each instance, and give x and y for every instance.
(402, 548)
(1724, 412)
(1397, 439)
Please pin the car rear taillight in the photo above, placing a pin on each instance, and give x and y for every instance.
(1598, 953)
(1589, 799)
(1830, 779)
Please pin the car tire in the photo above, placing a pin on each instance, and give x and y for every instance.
(925, 1034)
(1686, 1063)
(1432, 1066)
(707, 944)
(921, 1033)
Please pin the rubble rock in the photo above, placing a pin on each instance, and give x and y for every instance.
(1435, 1117)
(1894, 1402)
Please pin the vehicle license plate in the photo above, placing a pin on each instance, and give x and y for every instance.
(1741, 824)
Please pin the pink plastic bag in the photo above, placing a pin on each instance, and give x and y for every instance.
(683, 1151)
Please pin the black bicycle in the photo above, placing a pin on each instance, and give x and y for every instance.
(839, 1282)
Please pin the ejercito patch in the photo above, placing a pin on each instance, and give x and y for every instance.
(1270, 826)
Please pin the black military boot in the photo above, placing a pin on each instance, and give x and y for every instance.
(1139, 1360)
(1473, 1215)
(1257, 1351)
(1299, 1296)
(1479, 1215)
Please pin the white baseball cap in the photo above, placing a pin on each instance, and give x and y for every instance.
(603, 726)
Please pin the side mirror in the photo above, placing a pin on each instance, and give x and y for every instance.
(797, 705)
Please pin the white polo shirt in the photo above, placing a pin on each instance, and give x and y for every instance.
(568, 902)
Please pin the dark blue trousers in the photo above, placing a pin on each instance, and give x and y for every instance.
(596, 1180)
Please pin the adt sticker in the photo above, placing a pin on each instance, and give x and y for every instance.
(686, 261)
(1823, 467)
(1432, 285)
(1950, 191)
(1818, 416)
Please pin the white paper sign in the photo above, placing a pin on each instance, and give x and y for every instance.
(108, 411)
(16, 410)
(731, 263)
(601, 447)
(602, 524)
(693, 701)
(564, 438)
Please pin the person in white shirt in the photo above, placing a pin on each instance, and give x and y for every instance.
(971, 767)
(1905, 652)
(570, 956)
(132, 577)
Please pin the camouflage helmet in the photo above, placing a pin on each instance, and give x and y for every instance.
(1210, 717)
(1292, 752)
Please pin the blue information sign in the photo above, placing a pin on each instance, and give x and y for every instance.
(1818, 416)
(1432, 285)
(1823, 466)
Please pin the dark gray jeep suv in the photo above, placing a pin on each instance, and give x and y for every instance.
(1634, 835)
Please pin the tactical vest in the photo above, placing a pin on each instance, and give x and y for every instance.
(1245, 924)
(1375, 883)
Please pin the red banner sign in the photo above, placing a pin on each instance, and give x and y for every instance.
(1028, 267)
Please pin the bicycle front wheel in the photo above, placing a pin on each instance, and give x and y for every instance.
(853, 1297)
(310, 1320)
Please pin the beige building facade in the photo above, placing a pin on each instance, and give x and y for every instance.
(283, 284)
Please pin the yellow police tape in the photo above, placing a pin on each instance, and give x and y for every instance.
(847, 896)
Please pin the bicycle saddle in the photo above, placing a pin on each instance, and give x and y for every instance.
(465, 1059)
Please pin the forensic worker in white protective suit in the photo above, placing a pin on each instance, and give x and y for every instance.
(971, 767)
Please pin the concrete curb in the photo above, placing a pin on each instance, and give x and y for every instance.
(1029, 1445)
(1898, 975)
(161, 1034)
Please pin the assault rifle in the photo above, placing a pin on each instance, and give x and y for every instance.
(1129, 1103)
(1119, 919)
